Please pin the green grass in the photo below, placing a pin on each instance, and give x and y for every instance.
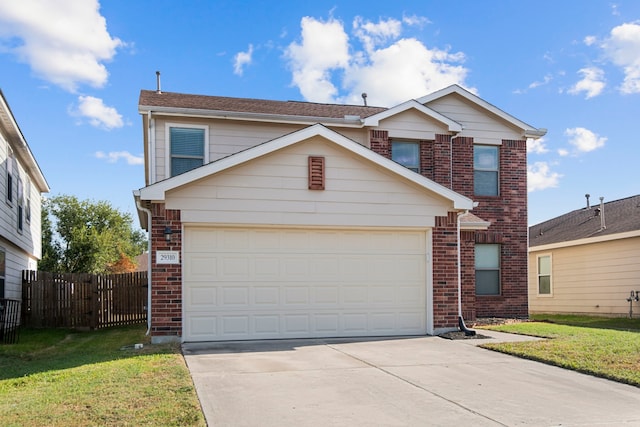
(57, 377)
(603, 347)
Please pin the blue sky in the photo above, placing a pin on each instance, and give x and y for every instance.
(72, 72)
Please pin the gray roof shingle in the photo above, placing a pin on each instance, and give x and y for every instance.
(619, 216)
(149, 98)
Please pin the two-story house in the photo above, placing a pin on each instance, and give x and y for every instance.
(272, 219)
(21, 186)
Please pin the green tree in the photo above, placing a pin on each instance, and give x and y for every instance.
(86, 236)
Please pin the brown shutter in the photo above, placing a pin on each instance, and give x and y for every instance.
(316, 173)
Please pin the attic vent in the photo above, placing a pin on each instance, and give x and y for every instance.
(316, 173)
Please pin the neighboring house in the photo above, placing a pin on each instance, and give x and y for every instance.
(272, 219)
(587, 261)
(21, 186)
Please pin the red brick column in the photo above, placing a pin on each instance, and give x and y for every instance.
(379, 140)
(166, 279)
(445, 272)
(468, 274)
(442, 160)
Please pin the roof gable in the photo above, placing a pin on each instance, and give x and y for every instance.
(528, 130)
(609, 219)
(158, 190)
(374, 120)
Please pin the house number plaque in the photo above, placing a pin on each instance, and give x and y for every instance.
(167, 257)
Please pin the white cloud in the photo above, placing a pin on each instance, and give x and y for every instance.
(622, 48)
(114, 156)
(563, 152)
(536, 146)
(241, 59)
(98, 114)
(590, 40)
(324, 47)
(584, 140)
(65, 42)
(540, 177)
(545, 81)
(388, 68)
(372, 35)
(592, 82)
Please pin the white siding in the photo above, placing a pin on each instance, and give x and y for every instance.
(476, 122)
(590, 279)
(24, 248)
(274, 190)
(227, 137)
(412, 124)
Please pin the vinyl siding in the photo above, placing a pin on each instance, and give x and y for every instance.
(477, 123)
(591, 279)
(412, 124)
(22, 249)
(273, 190)
(228, 137)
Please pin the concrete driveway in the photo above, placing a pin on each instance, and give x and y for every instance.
(419, 381)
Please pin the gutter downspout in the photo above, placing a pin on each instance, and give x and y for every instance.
(148, 212)
(461, 325)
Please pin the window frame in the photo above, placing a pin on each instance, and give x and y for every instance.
(418, 166)
(539, 275)
(168, 155)
(11, 166)
(495, 170)
(20, 205)
(498, 269)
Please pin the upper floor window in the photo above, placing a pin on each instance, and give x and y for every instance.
(544, 275)
(407, 154)
(27, 208)
(486, 170)
(11, 170)
(20, 205)
(187, 147)
(487, 265)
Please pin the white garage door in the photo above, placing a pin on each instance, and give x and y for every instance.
(293, 283)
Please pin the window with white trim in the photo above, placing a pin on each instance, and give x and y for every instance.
(27, 208)
(407, 153)
(544, 274)
(486, 164)
(11, 169)
(487, 265)
(20, 203)
(187, 148)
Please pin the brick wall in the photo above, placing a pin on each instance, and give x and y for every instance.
(445, 271)
(507, 214)
(166, 279)
(380, 143)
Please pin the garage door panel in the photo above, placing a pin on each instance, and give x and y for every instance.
(303, 283)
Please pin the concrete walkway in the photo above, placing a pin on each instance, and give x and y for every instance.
(418, 381)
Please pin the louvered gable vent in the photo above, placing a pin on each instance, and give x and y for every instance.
(316, 173)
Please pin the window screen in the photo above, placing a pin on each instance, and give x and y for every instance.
(544, 275)
(487, 262)
(407, 154)
(187, 149)
(485, 170)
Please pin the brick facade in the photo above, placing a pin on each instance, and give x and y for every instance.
(450, 163)
(166, 279)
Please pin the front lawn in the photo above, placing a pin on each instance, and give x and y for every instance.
(58, 377)
(604, 347)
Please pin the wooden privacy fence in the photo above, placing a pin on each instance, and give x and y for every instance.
(81, 300)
